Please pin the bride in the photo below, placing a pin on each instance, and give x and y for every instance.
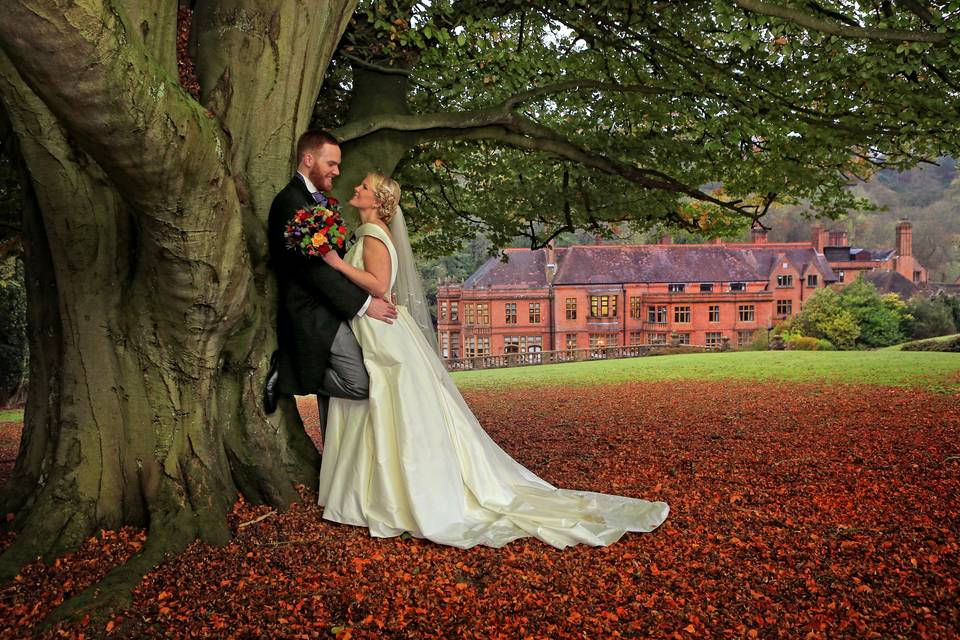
(413, 458)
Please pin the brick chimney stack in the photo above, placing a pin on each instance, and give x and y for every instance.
(819, 239)
(839, 239)
(758, 235)
(904, 238)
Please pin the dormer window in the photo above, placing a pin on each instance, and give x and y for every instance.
(676, 287)
(706, 287)
(784, 281)
(812, 280)
(738, 286)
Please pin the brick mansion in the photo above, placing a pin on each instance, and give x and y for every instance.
(595, 296)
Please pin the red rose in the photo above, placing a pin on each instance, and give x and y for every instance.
(333, 202)
(342, 229)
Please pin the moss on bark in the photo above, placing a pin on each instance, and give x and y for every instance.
(152, 305)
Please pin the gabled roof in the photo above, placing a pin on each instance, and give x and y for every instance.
(523, 269)
(890, 281)
(615, 264)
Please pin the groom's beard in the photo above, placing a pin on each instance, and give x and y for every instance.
(322, 181)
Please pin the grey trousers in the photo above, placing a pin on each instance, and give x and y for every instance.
(345, 377)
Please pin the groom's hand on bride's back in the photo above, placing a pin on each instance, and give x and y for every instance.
(382, 310)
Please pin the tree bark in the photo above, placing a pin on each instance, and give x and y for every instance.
(150, 297)
(374, 94)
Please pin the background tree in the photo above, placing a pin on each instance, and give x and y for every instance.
(823, 316)
(149, 299)
(879, 317)
(13, 299)
(535, 120)
(930, 317)
(928, 196)
(13, 333)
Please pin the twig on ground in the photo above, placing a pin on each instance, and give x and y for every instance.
(256, 520)
(280, 543)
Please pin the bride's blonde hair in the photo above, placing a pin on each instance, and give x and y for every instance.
(387, 192)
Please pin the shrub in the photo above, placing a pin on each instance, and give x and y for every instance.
(930, 317)
(879, 317)
(668, 350)
(824, 317)
(825, 345)
(803, 343)
(759, 342)
(952, 345)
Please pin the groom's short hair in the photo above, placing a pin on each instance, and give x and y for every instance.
(314, 139)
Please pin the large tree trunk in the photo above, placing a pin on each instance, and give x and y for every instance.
(374, 94)
(150, 301)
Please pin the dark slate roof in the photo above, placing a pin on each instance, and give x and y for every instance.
(857, 254)
(615, 264)
(889, 281)
(523, 269)
(933, 288)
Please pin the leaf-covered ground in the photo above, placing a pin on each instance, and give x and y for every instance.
(797, 511)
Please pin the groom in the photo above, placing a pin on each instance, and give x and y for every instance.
(318, 352)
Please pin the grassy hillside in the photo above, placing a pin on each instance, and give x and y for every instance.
(898, 347)
(934, 371)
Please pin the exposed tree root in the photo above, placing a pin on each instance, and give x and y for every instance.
(48, 531)
(114, 591)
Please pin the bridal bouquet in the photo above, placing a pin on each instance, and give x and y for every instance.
(316, 230)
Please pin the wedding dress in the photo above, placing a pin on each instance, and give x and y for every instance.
(413, 458)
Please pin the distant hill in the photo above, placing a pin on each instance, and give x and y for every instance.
(928, 196)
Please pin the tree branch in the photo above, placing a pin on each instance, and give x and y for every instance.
(579, 84)
(421, 122)
(497, 114)
(524, 135)
(825, 26)
(395, 71)
(918, 9)
(127, 113)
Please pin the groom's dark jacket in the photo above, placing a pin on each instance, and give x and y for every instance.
(314, 298)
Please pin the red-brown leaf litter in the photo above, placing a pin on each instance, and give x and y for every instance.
(798, 511)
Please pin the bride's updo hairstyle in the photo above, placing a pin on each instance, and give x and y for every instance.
(387, 192)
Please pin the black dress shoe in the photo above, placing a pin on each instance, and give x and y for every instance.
(270, 394)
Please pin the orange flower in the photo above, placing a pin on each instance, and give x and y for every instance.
(319, 239)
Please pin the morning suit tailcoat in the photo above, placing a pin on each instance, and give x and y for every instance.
(314, 299)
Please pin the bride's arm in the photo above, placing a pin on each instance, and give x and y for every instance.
(374, 278)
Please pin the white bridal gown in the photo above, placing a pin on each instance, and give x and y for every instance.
(414, 458)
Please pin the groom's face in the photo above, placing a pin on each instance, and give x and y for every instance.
(323, 166)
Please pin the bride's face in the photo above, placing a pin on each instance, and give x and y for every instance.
(363, 197)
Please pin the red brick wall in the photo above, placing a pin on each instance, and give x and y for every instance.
(618, 329)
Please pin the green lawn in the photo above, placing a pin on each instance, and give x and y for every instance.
(929, 370)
